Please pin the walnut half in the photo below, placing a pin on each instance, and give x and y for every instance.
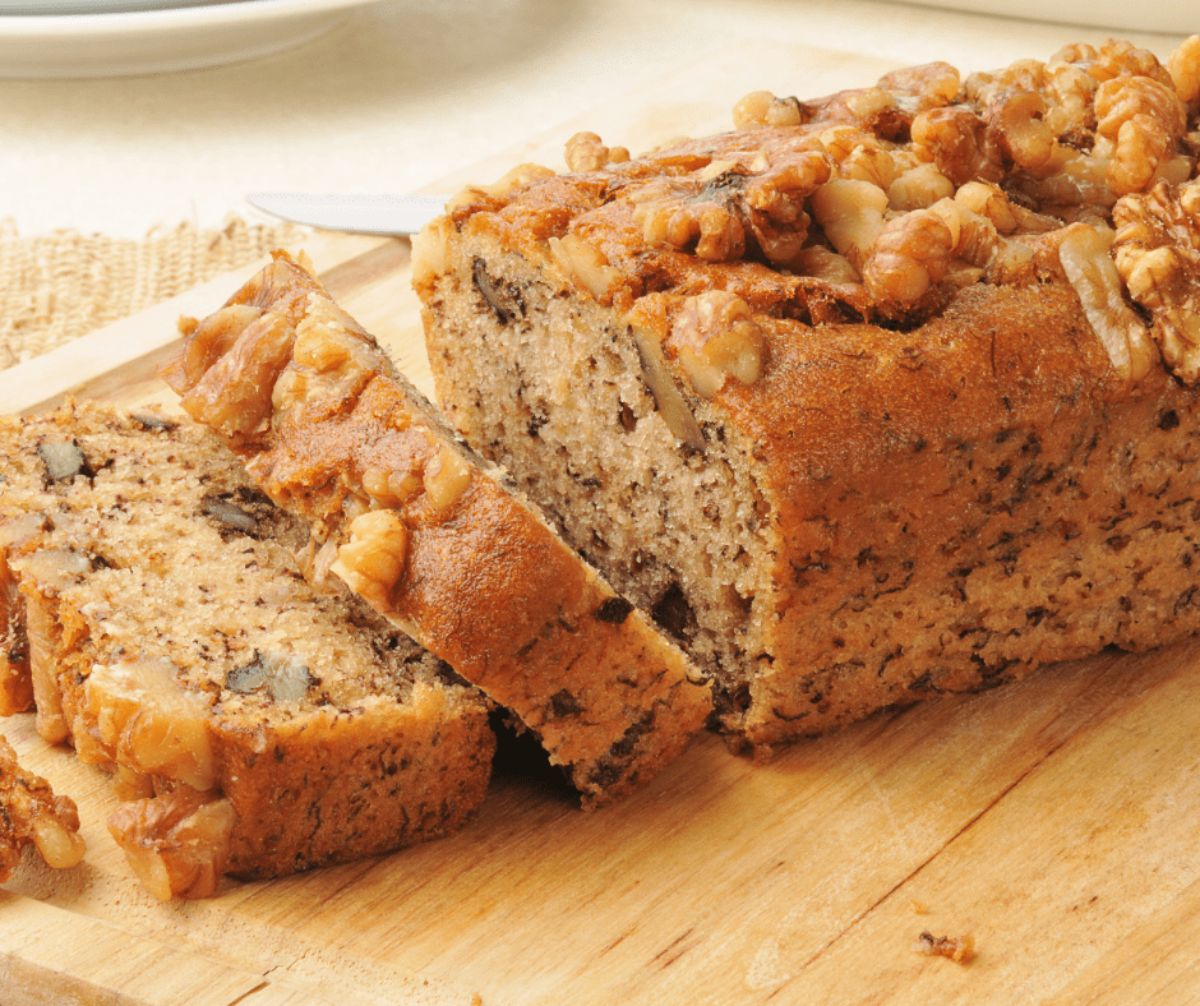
(716, 338)
(30, 813)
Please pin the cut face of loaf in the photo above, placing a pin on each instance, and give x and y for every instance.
(255, 726)
(853, 399)
(431, 536)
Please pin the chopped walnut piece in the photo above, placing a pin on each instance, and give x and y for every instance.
(1184, 66)
(822, 263)
(585, 265)
(953, 139)
(851, 213)
(498, 192)
(30, 814)
(1084, 254)
(446, 478)
(912, 253)
(929, 85)
(587, 152)
(960, 949)
(760, 109)
(919, 188)
(147, 722)
(1145, 119)
(1113, 58)
(176, 842)
(372, 561)
(1157, 253)
(330, 364)
(669, 216)
(716, 338)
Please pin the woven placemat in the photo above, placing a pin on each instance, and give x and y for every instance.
(63, 285)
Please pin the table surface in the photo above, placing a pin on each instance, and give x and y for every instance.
(409, 90)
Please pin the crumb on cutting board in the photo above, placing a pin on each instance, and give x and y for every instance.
(960, 949)
(919, 907)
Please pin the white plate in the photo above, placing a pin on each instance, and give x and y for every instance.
(155, 41)
(1174, 16)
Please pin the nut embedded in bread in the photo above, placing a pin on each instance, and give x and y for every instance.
(882, 395)
(255, 726)
(430, 536)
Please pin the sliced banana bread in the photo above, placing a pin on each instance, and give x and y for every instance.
(30, 814)
(881, 395)
(256, 726)
(431, 536)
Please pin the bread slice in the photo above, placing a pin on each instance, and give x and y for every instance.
(256, 726)
(855, 399)
(30, 814)
(431, 536)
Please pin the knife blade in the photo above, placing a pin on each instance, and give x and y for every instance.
(359, 214)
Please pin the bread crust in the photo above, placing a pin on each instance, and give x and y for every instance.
(486, 584)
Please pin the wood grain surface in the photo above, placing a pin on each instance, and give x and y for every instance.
(1053, 820)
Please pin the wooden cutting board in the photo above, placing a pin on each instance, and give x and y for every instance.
(1053, 820)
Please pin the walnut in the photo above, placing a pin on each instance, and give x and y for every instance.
(372, 562)
(586, 152)
(919, 187)
(960, 949)
(498, 193)
(1184, 66)
(145, 720)
(760, 109)
(1113, 58)
(991, 202)
(177, 842)
(1145, 119)
(851, 214)
(1157, 253)
(390, 488)
(912, 253)
(446, 478)
(585, 265)
(773, 203)
(30, 813)
(1017, 124)
(213, 337)
(670, 403)
(1084, 254)
(715, 337)
(818, 261)
(918, 88)
(332, 360)
(953, 139)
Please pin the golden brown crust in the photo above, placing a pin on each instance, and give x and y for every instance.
(438, 546)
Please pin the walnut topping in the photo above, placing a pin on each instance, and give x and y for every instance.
(1145, 120)
(498, 192)
(585, 265)
(372, 562)
(1184, 67)
(177, 842)
(1157, 252)
(911, 253)
(715, 337)
(760, 109)
(446, 478)
(146, 721)
(30, 813)
(587, 152)
(851, 213)
(390, 488)
(919, 187)
(1084, 255)
(331, 361)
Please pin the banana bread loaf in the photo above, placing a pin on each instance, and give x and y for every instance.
(255, 726)
(879, 396)
(30, 814)
(429, 534)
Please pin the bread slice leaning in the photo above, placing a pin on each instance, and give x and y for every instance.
(431, 536)
(255, 726)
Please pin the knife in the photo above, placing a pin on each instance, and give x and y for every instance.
(362, 214)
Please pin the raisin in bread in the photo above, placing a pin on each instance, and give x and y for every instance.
(256, 726)
(431, 537)
(30, 814)
(879, 396)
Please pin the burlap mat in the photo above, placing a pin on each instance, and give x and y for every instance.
(64, 285)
